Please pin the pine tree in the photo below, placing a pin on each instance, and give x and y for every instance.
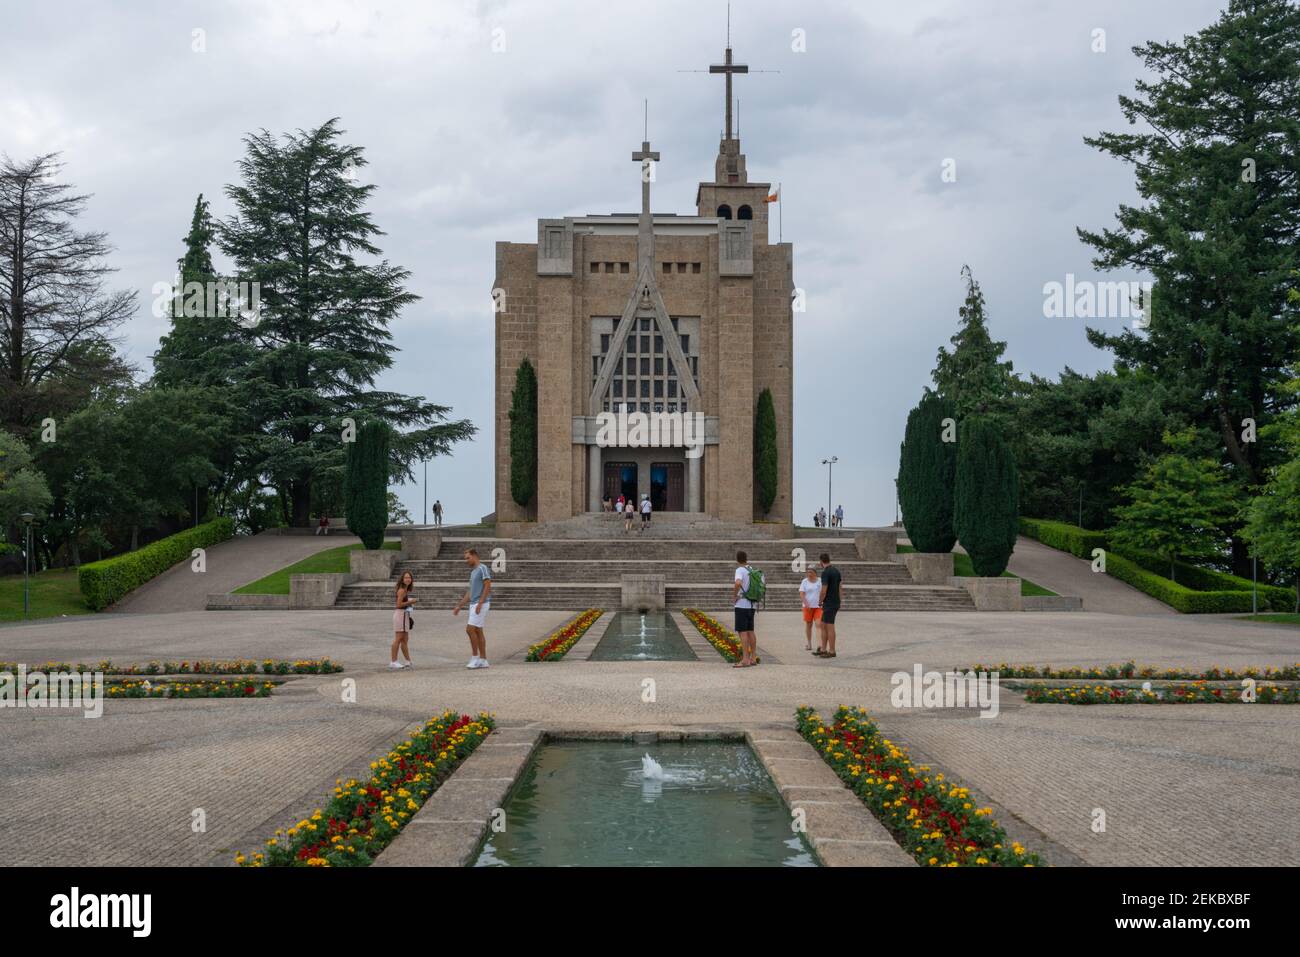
(926, 466)
(985, 511)
(974, 375)
(1216, 166)
(523, 435)
(320, 337)
(365, 483)
(1179, 507)
(765, 466)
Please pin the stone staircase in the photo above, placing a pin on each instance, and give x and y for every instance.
(675, 526)
(585, 573)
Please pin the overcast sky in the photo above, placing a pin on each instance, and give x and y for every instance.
(479, 117)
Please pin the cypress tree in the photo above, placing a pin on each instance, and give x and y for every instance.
(985, 501)
(765, 470)
(365, 484)
(926, 464)
(523, 435)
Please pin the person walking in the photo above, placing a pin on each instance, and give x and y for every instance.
(831, 594)
(479, 596)
(323, 526)
(810, 590)
(744, 609)
(402, 621)
(437, 512)
(645, 513)
(629, 513)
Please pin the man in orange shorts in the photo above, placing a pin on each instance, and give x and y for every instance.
(810, 589)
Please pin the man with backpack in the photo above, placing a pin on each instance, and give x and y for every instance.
(748, 589)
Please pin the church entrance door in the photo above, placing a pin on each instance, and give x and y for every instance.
(620, 479)
(667, 487)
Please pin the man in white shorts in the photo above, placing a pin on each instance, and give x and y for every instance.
(645, 513)
(479, 597)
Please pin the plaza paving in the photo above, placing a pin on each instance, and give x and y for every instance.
(1185, 784)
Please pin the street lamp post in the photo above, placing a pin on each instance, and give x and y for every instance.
(830, 472)
(27, 561)
(426, 491)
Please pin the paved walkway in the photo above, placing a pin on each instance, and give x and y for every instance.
(1066, 575)
(1180, 784)
(229, 564)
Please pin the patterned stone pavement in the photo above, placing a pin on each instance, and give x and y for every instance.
(1185, 784)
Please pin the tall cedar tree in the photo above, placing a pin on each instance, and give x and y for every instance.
(985, 511)
(1178, 507)
(57, 317)
(926, 467)
(1218, 173)
(765, 470)
(365, 484)
(523, 435)
(321, 336)
(974, 375)
(1273, 516)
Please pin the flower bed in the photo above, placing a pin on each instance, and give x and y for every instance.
(189, 689)
(362, 818)
(933, 819)
(1196, 693)
(238, 666)
(1130, 670)
(716, 633)
(557, 644)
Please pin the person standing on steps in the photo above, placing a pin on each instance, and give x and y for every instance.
(479, 597)
(402, 621)
(831, 594)
(437, 512)
(645, 513)
(740, 591)
(839, 516)
(810, 590)
(629, 513)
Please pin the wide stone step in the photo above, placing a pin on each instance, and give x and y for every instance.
(636, 548)
(609, 571)
(781, 597)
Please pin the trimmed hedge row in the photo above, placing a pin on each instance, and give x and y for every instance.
(1079, 542)
(1199, 590)
(104, 582)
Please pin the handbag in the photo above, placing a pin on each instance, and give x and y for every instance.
(410, 620)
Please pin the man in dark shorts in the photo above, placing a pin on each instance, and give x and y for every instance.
(832, 588)
(744, 615)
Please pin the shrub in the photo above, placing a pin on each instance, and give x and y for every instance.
(765, 461)
(104, 582)
(365, 484)
(926, 466)
(1179, 597)
(523, 435)
(985, 497)
(1079, 542)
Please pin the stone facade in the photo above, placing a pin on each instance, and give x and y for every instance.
(592, 280)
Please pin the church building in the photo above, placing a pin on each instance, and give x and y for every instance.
(680, 317)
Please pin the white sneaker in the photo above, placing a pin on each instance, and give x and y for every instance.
(394, 666)
(482, 663)
(408, 663)
(473, 662)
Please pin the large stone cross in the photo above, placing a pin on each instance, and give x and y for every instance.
(647, 158)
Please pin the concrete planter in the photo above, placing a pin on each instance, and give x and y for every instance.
(876, 546)
(929, 568)
(420, 544)
(373, 565)
(993, 594)
(316, 591)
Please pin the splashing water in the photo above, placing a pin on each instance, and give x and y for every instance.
(651, 769)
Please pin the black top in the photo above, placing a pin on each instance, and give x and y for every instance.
(831, 582)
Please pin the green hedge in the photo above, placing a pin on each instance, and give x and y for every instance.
(1197, 590)
(1079, 542)
(104, 582)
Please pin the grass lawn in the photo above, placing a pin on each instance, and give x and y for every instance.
(330, 561)
(962, 567)
(54, 593)
(1279, 618)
